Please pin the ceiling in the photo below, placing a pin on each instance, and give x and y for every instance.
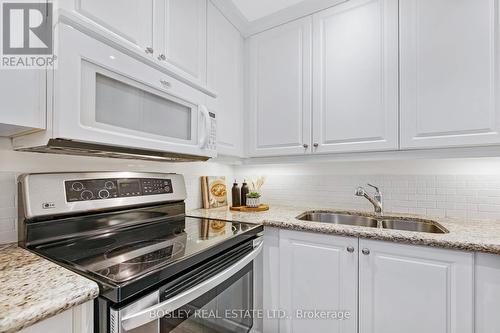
(253, 10)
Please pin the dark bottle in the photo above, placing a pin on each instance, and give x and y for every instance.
(244, 192)
(235, 191)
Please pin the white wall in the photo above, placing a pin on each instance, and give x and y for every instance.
(461, 188)
(13, 163)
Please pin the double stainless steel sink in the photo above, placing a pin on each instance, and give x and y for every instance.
(385, 222)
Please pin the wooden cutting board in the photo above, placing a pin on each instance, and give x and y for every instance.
(261, 208)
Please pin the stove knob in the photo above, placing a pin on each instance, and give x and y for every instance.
(77, 186)
(103, 194)
(109, 185)
(87, 195)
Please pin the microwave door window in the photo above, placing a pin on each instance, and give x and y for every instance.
(125, 106)
(226, 308)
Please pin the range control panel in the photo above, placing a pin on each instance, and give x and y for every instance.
(100, 189)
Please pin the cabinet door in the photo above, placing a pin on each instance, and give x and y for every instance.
(356, 77)
(414, 289)
(449, 73)
(181, 33)
(317, 272)
(280, 90)
(131, 19)
(79, 319)
(487, 280)
(225, 76)
(23, 96)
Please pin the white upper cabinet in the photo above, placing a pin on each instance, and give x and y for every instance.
(317, 272)
(356, 77)
(280, 90)
(414, 289)
(130, 19)
(171, 34)
(225, 76)
(449, 73)
(181, 35)
(23, 98)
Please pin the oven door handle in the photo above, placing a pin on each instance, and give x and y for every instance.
(138, 319)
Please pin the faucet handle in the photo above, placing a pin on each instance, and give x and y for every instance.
(360, 191)
(375, 187)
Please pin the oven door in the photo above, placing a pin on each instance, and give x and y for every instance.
(216, 296)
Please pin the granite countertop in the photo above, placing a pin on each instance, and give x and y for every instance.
(33, 289)
(467, 235)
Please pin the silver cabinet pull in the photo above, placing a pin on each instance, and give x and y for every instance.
(350, 249)
(365, 252)
(162, 57)
(316, 145)
(165, 83)
(149, 50)
(305, 145)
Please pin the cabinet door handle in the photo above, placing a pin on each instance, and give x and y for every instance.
(165, 83)
(350, 249)
(316, 145)
(162, 57)
(305, 145)
(149, 50)
(365, 252)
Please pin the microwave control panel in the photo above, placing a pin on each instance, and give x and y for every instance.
(101, 189)
(212, 132)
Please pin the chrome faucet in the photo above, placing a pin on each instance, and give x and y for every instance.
(376, 201)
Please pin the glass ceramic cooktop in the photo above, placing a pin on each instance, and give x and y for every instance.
(125, 254)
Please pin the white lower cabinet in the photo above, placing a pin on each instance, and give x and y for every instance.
(414, 289)
(317, 277)
(387, 287)
(79, 319)
(487, 275)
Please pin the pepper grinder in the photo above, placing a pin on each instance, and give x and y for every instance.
(235, 191)
(244, 192)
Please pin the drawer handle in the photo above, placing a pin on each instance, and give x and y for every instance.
(162, 57)
(305, 145)
(165, 83)
(365, 252)
(316, 145)
(350, 249)
(149, 50)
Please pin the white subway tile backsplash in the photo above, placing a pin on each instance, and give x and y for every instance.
(460, 196)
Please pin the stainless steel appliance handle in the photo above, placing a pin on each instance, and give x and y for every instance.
(138, 319)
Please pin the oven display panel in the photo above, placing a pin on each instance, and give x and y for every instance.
(100, 189)
(128, 187)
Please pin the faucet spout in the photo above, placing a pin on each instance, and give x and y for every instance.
(376, 201)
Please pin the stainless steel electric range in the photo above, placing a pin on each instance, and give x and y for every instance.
(157, 270)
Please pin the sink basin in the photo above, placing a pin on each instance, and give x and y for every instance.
(356, 220)
(384, 222)
(410, 225)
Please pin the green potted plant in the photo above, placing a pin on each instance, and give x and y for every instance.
(253, 199)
